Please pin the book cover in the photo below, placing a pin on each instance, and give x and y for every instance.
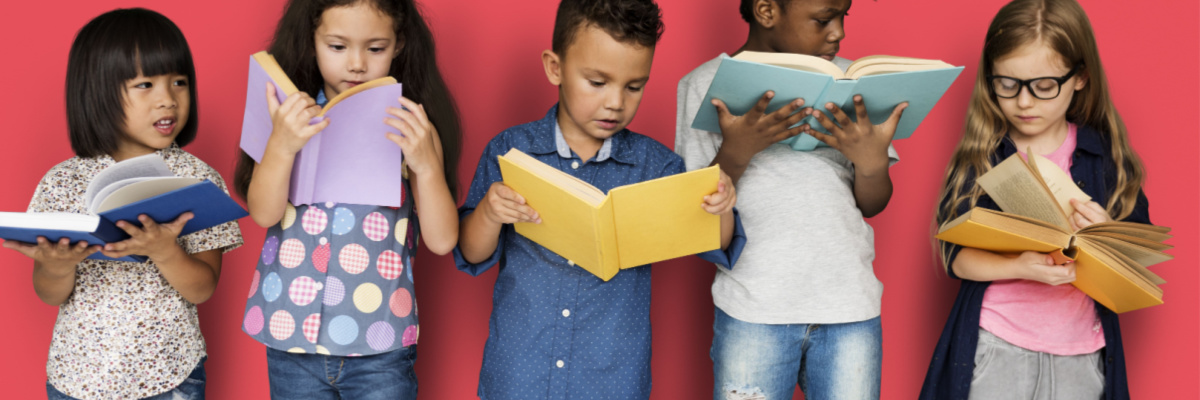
(740, 84)
(630, 226)
(352, 160)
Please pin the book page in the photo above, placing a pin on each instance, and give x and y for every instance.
(1018, 190)
(52, 220)
(801, 62)
(130, 171)
(1143, 256)
(1058, 182)
(880, 64)
(141, 190)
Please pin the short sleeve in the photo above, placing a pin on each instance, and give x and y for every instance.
(486, 173)
(698, 148)
(226, 237)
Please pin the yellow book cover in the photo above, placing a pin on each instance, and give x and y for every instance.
(632, 225)
(1110, 257)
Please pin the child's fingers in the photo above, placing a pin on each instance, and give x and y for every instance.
(405, 122)
(272, 99)
(417, 110)
(838, 115)
(177, 225)
(860, 110)
(788, 112)
(760, 107)
(724, 117)
(399, 140)
(829, 140)
(894, 119)
(312, 130)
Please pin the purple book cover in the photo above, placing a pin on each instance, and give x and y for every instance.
(351, 161)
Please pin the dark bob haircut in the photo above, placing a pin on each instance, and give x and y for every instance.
(108, 51)
(627, 21)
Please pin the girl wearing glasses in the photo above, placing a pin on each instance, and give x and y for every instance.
(1018, 328)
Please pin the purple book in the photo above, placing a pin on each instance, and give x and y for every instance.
(352, 160)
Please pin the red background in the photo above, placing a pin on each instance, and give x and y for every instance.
(489, 51)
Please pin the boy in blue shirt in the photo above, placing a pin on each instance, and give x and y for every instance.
(557, 331)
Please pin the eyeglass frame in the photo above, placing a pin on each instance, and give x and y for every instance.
(1027, 83)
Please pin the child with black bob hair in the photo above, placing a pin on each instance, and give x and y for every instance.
(127, 329)
(557, 331)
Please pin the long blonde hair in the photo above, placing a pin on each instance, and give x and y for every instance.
(1063, 26)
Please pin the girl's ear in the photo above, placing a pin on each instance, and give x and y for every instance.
(553, 65)
(1082, 81)
(766, 12)
(399, 47)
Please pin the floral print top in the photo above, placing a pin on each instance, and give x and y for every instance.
(125, 332)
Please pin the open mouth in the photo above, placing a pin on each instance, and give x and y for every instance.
(607, 123)
(165, 126)
(354, 83)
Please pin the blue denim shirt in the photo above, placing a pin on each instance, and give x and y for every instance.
(953, 364)
(556, 330)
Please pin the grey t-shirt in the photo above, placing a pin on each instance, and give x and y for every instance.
(808, 253)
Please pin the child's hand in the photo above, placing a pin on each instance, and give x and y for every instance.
(724, 199)
(153, 240)
(1040, 267)
(502, 205)
(419, 139)
(862, 143)
(56, 256)
(289, 121)
(1087, 213)
(746, 135)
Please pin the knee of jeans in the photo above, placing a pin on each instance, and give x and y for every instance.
(743, 393)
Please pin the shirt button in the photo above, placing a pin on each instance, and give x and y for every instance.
(571, 263)
(1080, 184)
(566, 312)
(574, 164)
(560, 363)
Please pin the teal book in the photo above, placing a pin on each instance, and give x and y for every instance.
(883, 81)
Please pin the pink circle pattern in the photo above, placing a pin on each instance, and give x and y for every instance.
(254, 285)
(320, 258)
(312, 327)
(354, 258)
(401, 303)
(283, 325)
(375, 226)
(303, 290)
(410, 336)
(314, 220)
(254, 321)
(390, 264)
(291, 254)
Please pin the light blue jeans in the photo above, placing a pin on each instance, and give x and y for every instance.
(766, 362)
(192, 388)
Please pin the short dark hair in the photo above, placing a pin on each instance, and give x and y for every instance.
(109, 50)
(747, 9)
(629, 21)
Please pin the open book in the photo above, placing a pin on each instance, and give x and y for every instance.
(352, 160)
(140, 185)
(883, 81)
(1110, 257)
(632, 225)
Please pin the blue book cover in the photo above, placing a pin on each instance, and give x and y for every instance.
(210, 205)
(740, 84)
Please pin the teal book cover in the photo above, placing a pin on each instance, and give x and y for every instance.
(740, 84)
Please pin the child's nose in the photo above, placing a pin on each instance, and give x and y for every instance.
(614, 99)
(1025, 97)
(357, 62)
(836, 32)
(168, 98)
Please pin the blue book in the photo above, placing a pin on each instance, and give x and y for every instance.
(115, 195)
(883, 81)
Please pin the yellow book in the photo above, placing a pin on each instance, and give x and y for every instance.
(632, 225)
(1110, 257)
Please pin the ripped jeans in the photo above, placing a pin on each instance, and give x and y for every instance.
(766, 362)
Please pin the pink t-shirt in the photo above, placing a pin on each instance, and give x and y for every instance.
(1059, 319)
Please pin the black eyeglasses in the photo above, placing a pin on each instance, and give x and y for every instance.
(1044, 88)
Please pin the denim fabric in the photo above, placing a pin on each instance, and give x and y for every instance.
(1005, 371)
(314, 376)
(192, 388)
(766, 362)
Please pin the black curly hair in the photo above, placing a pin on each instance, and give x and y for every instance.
(627, 21)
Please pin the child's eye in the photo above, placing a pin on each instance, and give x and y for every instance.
(143, 85)
(181, 82)
(376, 49)
(337, 47)
(635, 89)
(823, 22)
(596, 83)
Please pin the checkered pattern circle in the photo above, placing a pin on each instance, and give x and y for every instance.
(303, 290)
(312, 327)
(354, 258)
(390, 264)
(282, 325)
(314, 220)
(375, 226)
(291, 253)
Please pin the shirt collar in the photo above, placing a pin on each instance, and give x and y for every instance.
(614, 147)
(321, 99)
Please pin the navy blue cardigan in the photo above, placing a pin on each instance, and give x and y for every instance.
(953, 364)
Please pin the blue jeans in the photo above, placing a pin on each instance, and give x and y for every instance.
(766, 362)
(192, 388)
(313, 376)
